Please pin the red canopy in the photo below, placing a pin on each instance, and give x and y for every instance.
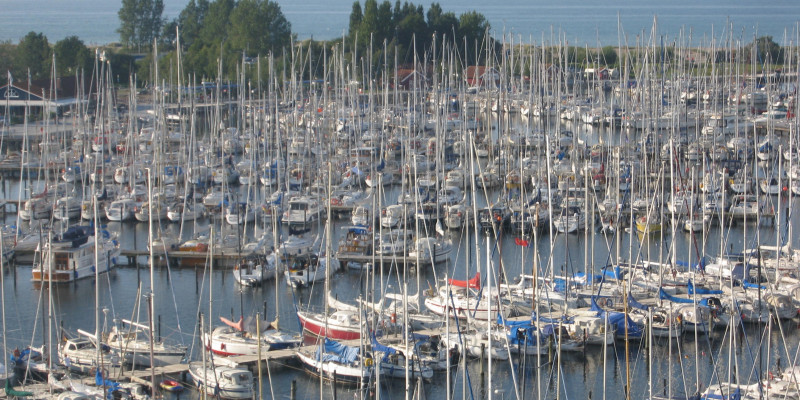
(474, 283)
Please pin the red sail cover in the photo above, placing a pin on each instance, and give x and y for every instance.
(474, 283)
(239, 326)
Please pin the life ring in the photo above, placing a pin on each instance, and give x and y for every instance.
(394, 318)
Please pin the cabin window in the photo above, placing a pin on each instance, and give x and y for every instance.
(61, 261)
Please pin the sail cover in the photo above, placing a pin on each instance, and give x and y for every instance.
(701, 290)
(337, 352)
(239, 326)
(474, 283)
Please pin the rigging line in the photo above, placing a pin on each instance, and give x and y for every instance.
(460, 342)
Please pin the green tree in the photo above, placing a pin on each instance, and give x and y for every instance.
(190, 21)
(140, 21)
(369, 23)
(355, 19)
(215, 23)
(206, 47)
(258, 27)
(33, 52)
(472, 28)
(441, 22)
(7, 59)
(385, 22)
(72, 55)
(608, 56)
(765, 50)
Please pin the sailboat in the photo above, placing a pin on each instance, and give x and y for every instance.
(79, 354)
(132, 341)
(462, 302)
(224, 379)
(242, 338)
(335, 361)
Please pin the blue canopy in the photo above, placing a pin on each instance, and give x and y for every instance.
(337, 352)
(701, 290)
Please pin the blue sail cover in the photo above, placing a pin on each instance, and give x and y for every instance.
(613, 273)
(337, 352)
(749, 285)
(386, 350)
(635, 304)
(701, 290)
(665, 296)
(619, 320)
(699, 266)
(376, 346)
(564, 319)
(583, 279)
(517, 330)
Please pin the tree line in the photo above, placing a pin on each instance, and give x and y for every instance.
(33, 56)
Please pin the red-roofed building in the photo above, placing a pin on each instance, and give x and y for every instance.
(411, 78)
(481, 76)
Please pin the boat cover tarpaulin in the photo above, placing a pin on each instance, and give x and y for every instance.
(701, 290)
(386, 350)
(474, 283)
(619, 320)
(337, 352)
(111, 386)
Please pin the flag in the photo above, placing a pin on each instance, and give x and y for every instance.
(521, 242)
